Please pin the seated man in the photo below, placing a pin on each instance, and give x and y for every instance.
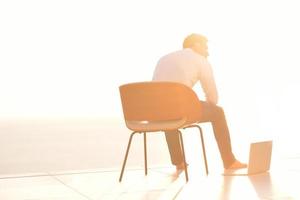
(189, 66)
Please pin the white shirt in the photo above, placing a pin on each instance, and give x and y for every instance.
(187, 67)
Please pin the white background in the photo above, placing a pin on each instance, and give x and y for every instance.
(65, 58)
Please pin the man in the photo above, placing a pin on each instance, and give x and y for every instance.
(189, 66)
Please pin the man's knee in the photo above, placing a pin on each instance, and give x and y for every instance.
(219, 109)
(219, 112)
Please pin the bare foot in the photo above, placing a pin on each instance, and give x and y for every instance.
(179, 169)
(181, 166)
(237, 165)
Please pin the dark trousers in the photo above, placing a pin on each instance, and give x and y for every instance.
(215, 115)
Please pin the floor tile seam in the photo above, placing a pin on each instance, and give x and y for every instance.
(136, 191)
(168, 188)
(131, 192)
(70, 187)
(80, 172)
(23, 176)
(177, 193)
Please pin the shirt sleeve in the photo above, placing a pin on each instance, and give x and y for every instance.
(207, 81)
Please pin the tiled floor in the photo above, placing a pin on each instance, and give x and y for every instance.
(160, 183)
(25, 148)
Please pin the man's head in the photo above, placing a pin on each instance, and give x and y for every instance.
(196, 42)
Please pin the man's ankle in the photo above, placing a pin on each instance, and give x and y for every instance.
(181, 166)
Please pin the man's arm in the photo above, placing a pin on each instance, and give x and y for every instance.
(207, 81)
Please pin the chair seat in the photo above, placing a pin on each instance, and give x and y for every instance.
(153, 126)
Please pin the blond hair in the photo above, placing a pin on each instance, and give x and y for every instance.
(190, 40)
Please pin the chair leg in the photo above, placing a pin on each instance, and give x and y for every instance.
(183, 153)
(203, 148)
(126, 155)
(145, 153)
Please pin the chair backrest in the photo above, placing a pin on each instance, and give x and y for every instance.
(157, 101)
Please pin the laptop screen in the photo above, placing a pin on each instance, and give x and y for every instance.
(260, 157)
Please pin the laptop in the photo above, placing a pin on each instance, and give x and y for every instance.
(259, 160)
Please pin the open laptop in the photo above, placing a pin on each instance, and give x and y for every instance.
(259, 160)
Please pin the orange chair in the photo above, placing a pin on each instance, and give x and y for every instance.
(159, 106)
